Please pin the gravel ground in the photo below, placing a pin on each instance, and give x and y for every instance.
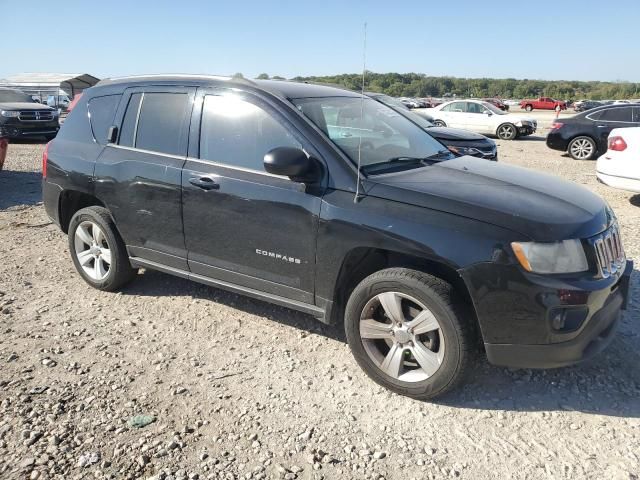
(237, 388)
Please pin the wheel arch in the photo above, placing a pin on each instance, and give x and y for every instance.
(361, 262)
(70, 201)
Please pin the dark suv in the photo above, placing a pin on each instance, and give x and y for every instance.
(22, 117)
(254, 187)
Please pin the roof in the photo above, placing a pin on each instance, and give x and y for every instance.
(284, 88)
(69, 82)
(304, 90)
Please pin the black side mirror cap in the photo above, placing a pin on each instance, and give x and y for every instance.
(293, 163)
(112, 134)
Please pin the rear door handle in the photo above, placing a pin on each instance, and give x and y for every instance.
(205, 183)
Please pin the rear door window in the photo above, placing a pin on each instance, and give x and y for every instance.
(616, 115)
(157, 121)
(101, 113)
(130, 121)
(636, 114)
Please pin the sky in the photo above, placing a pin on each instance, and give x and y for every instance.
(540, 39)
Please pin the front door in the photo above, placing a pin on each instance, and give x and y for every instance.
(243, 225)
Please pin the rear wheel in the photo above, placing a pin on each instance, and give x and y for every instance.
(582, 148)
(507, 131)
(439, 123)
(98, 252)
(409, 333)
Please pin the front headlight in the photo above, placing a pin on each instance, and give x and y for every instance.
(558, 257)
(8, 113)
(464, 150)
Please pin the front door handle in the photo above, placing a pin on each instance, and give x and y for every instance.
(205, 183)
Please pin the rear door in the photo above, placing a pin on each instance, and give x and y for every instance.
(139, 176)
(454, 114)
(243, 225)
(608, 119)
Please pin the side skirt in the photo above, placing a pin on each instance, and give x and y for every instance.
(308, 308)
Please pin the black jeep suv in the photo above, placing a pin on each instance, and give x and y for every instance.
(254, 187)
(22, 117)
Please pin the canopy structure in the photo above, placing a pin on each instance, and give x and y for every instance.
(45, 84)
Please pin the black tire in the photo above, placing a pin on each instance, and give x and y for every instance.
(507, 131)
(456, 326)
(528, 108)
(582, 148)
(119, 272)
(439, 123)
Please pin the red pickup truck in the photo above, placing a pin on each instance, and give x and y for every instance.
(543, 103)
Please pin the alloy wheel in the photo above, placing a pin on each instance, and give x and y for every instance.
(92, 250)
(505, 131)
(402, 337)
(581, 149)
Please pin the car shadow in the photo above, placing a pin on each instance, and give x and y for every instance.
(152, 283)
(19, 188)
(635, 200)
(607, 385)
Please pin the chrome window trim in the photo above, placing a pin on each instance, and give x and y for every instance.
(198, 160)
(135, 127)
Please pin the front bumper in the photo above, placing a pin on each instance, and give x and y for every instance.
(518, 333)
(15, 129)
(527, 129)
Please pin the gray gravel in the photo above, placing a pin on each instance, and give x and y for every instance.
(234, 388)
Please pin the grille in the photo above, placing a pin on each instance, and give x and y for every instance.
(36, 115)
(609, 252)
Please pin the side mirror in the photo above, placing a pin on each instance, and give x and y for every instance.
(293, 163)
(488, 112)
(112, 134)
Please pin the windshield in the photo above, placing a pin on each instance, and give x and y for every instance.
(399, 107)
(15, 96)
(493, 108)
(387, 140)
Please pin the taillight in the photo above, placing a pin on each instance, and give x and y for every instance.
(556, 125)
(45, 160)
(617, 144)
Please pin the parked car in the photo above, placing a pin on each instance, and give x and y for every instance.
(460, 142)
(22, 117)
(584, 136)
(585, 105)
(543, 103)
(482, 117)
(496, 102)
(619, 167)
(320, 200)
(412, 103)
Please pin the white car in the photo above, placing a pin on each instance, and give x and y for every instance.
(482, 117)
(619, 167)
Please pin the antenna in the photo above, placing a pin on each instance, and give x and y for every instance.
(364, 69)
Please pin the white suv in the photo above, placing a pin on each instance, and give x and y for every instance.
(482, 117)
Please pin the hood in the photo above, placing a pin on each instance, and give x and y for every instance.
(446, 133)
(540, 206)
(24, 106)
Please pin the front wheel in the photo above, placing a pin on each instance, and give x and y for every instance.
(528, 108)
(409, 332)
(98, 252)
(439, 123)
(507, 131)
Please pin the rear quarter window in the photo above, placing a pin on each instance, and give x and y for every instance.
(102, 111)
(76, 126)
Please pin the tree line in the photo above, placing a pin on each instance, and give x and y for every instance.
(420, 85)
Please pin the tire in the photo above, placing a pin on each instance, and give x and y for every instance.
(447, 352)
(528, 108)
(97, 251)
(582, 148)
(439, 123)
(507, 131)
